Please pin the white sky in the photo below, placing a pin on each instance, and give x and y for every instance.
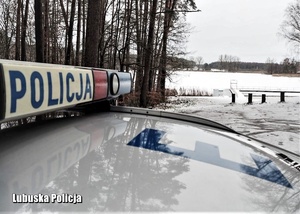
(247, 29)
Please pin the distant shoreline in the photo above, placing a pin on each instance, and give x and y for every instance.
(245, 71)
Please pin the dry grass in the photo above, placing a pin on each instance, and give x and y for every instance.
(286, 75)
(133, 99)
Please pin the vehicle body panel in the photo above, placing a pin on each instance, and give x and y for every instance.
(120, 161)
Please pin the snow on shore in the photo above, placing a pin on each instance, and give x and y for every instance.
(272, 122)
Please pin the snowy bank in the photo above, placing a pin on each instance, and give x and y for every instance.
(272, 122)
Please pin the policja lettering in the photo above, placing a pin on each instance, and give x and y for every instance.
(66, 198)
(40, 89)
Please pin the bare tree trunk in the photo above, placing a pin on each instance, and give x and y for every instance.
(169, 6)
(92, 33)
(64, 13)
(46, 32)
(111, 49)
(65, 17)
(83, 32)
(54, 50)
(157, 50)
(148, 56)
(117, 36)
(6, 27)
(141, 28)
(18, 30)
(78, 33)
(70, 34)
(124, 58)
(102, 48)
(39, 33)
(23, 36)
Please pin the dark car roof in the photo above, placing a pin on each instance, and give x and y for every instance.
(125, 160)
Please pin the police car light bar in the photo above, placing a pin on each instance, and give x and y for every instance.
(28, 89)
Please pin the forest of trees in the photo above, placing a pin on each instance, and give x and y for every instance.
(146, 37)
(233, 64)
(137, 35)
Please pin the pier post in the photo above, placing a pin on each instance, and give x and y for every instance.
(232, 98)
(263, 98)
(282, 97)
(249, 98)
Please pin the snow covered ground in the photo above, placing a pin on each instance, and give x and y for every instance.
(272, 122)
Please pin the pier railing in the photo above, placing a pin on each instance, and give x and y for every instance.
(263, 90)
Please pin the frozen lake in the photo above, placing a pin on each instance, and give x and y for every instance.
(273, 122)
(207, 81)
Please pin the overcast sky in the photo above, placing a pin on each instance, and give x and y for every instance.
(247, 29)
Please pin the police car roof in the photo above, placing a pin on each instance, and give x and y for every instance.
(123, 161)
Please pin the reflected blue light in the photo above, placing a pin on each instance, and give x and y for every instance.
(208, 153)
